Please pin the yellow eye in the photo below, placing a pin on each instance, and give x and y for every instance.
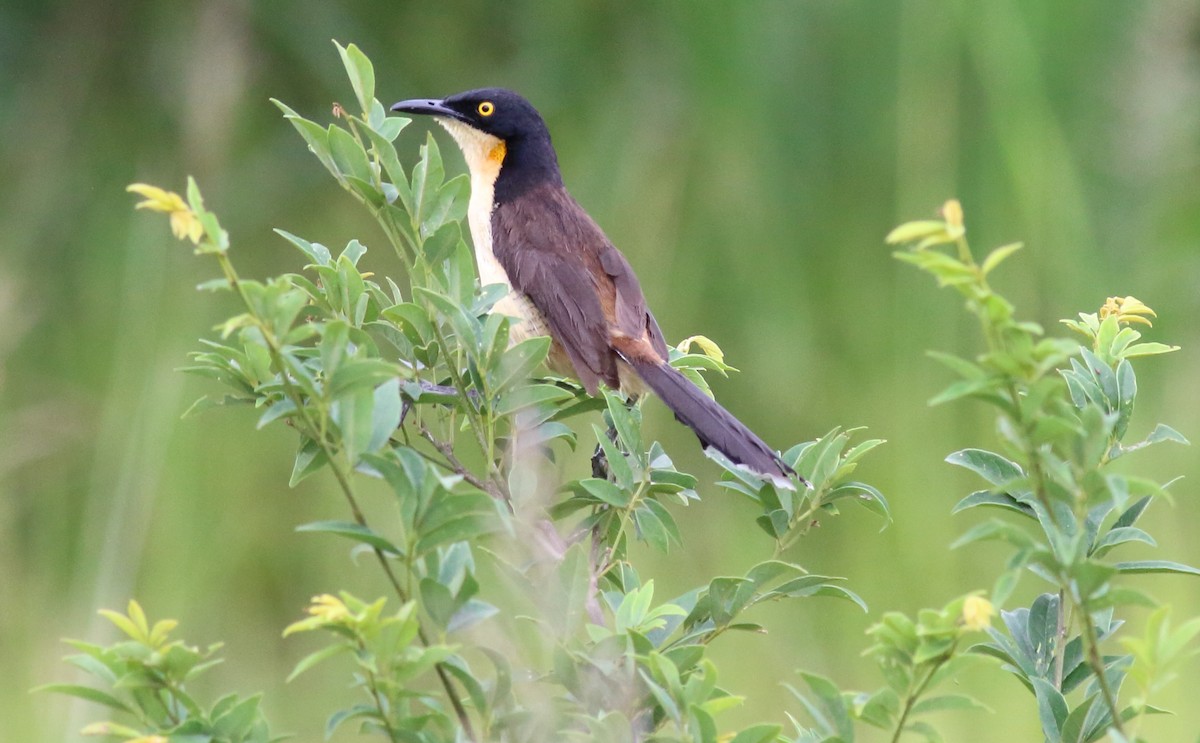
(487, 108)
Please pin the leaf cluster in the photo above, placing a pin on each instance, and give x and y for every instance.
(148, 674)
(1064, 411)
(914, 657)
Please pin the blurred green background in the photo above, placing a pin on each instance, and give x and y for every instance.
(748, 157)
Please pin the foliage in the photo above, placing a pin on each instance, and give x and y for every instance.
(148, 674)
(521, 613)
(914, 658)
(1064, 410)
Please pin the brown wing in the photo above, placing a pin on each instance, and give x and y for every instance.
(550, 250)
(633, 318)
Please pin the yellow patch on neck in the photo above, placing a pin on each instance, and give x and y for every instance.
(497, 153)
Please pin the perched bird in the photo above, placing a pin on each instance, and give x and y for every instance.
(565, 278)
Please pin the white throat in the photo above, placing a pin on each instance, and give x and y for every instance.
(484, 154)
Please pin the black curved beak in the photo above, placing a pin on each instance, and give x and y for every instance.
(427, 107)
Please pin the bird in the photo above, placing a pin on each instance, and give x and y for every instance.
(564, 277)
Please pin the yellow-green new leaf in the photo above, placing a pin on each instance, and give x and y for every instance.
(919, 230)
(995, 257)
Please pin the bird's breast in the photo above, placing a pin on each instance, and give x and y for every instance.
(528, 321)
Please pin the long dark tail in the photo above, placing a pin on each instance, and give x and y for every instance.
(713, 425)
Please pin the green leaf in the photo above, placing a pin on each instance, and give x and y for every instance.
(1052, 709)
(443, 243)
(832, 704)
(316, 251)
(994, 529)
(413, 320)
(94, 666)
(945, 702)
(1074, 727)
(313, 659)
(353, 251)
(314, 134)
(519, 361)
(571, 593)
(1121, 596)
(758, 734)
(464, 528)
(386, 411)
(618, 463)
(1156, 566)
(989, 498)
(1133, 513)
(359, 375)
(948, 270)
(352, 713)
(1163, 432)
(651, 529)
(236, 723)
(437, 600)
(1121, 535)
(964, 368)
(361, 73)
(206, 403)
(469, 614)
(1089, 577)
(86, 692)
(605, 492)
(867, 496)
(664, 519)
(995, 257)
(1148, 349)
(979, 388)
(917, 230)
(385, 152)
(833, 590)
(990, 466)
(626, 421)
(464, 324)
(333, 347)
(310, 458)
(348, 155)
(427, 177)
(356, 532)
(925, 730)
(391, 127)
(352, 412)
(449, 204)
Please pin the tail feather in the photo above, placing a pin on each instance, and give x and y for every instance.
(713, 425)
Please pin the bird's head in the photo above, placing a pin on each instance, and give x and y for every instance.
(492, 126)
(501, 113)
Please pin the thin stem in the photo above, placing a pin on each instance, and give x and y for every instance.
(453, 463)
(911, 698)
(622, 525)
(1096, 661)
(797, 530)
(472, 417)
(373, 685)
(1036, 474)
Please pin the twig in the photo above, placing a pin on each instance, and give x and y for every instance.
(1096, 661)
(447, 451)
